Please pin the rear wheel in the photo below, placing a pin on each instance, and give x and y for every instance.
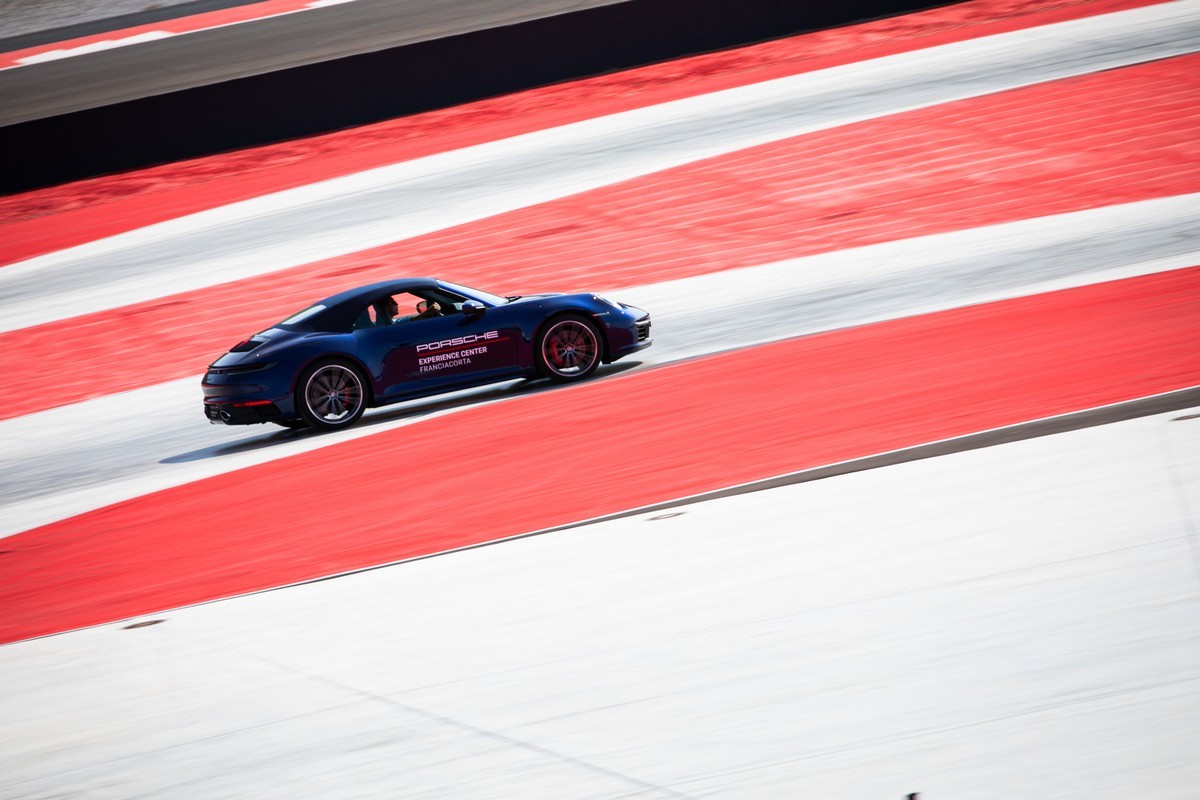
(331, 395)
(569, 349)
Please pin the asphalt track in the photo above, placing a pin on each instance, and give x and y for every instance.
(419, 197)
(1007, 622)
(808, 186)
(221, 54)
(53, 470)
(1018, 619)
(56, 463)
(816, 400)
(46, 220)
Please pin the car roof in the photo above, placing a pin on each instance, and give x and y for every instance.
(339, 310)
(371, 291)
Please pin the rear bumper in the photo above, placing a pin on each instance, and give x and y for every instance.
(251, 413)
(231, 399)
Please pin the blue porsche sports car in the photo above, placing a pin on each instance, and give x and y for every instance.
(407, 338)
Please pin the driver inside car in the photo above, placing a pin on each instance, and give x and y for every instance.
(388, 311)
(425, 310)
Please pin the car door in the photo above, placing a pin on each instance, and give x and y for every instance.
(456, 349)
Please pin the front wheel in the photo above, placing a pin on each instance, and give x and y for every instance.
(331, 395)
(569, 349)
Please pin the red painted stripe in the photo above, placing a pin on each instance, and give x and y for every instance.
(631, 441)
(188, 24)
(51, 219)
(1041, 150)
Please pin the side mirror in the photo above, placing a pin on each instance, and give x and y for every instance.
(473, 308)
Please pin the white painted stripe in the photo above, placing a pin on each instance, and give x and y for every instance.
(839, 645)
(404, 200)
(69, 52)
(101, 451)
(95, 47)
(1018, 246)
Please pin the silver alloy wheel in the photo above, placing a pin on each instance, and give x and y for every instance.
(570, 348)
(334, 394)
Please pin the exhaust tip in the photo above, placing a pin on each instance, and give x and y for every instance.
(225, 415)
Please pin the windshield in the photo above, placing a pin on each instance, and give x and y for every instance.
(487, 297)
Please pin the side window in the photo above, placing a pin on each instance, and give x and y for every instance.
(368, 318)
(406, 307)
(389, 310)
(449, 302)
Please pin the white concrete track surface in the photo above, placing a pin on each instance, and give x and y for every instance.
(1018, 621)
(404, 200)
(72, 459)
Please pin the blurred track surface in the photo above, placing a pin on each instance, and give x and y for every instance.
(58, 463)
(635, 441)
(830, 639)
(1014, 621)
(418, 197)
(800, 196)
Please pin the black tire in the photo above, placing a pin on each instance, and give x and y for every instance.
(331, 395)
(569, 348)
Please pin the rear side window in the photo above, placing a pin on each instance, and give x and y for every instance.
(369, 317)
(395, 308)
(300, 316)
